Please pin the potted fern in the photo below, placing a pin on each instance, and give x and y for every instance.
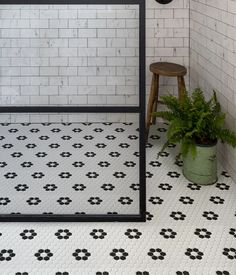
(197, 124)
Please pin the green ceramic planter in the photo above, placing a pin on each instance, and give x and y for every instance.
(203, 168)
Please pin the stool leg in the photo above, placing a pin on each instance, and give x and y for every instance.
(156, 90)
(150, 106)
(181, 86)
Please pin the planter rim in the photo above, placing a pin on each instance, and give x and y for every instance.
(206, 145)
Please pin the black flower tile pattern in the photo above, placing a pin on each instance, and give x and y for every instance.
(30, 146)
(194, 253)
(64, 200)
(168, 233)
(222, 186)
(186, 200)
(7, 146)
(114, 154)
(52, 164)
(65, 175)
(79, 187)
(44, 137)
(81, 254)
(187, 225)
(133, 233)
(194, 186)
(164, 154)
(33, 201)
(94, 200)
(65, 154)
(179, 163)
(119, 175)
(119, 254)
(165, 186)
(230, 253)
(173, 174)
(155, 200)
(232, 232)
(149, 174)
(50, 187)
(155, 163)
(38, 175)
(156, 254)
(4, 201)
(28, 234)
(101, 145)
(98, 234)
(217, 200)
(210, 215)
(26, 164)
(3, 164)
(41, 154)
(90, 154)
(10, 175)
(6, 254)
(154, 137)
(149, 216)
(125, 200)
(135, 186)
(107, 187)
(66, 137)
(77, 145)
(202, 233)
(92, 175)
(63, 234)
(54, 145)
(43, 254)
(225, 174)
(177, 215)
(104, 164)
(78, 164)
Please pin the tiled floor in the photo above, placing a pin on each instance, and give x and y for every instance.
(190, 229)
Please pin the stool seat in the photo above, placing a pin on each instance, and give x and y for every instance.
(168, 69)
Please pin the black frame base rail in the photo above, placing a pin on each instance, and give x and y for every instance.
(139, 110)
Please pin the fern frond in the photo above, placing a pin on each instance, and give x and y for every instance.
(188, 145)
(167, 115)
(227, 136)
(172, 103)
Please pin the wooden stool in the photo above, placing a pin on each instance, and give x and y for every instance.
(163, 69)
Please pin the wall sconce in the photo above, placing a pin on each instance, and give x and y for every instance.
(164, 1)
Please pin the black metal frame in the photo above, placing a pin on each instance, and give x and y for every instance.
(140, 109)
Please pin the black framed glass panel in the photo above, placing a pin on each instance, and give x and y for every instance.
(73, 111)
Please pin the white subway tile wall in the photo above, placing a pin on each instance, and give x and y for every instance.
(85, 54)
(213, 59)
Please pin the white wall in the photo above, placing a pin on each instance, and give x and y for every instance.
(213, 59)
(84, 55)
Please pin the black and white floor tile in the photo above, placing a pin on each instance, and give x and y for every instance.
(190, 229)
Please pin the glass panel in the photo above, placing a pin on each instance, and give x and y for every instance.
(70, 168)
(69, 55)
